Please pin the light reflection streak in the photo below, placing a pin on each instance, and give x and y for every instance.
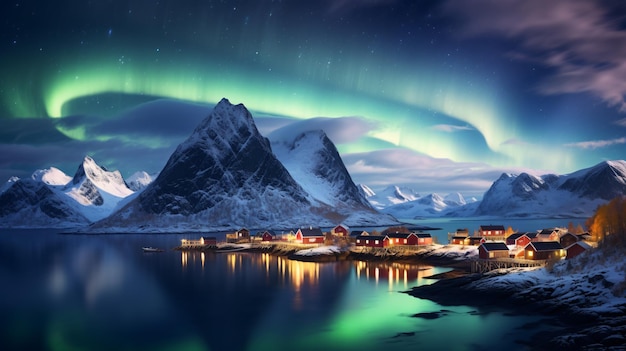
(398, 275)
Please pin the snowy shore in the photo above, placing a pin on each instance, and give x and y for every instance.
(585, 296)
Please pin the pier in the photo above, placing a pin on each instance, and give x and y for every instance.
(486, 265)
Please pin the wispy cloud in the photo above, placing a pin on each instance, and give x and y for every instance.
(621, 122)
(450, 128)
(597, 144)
(577, 38)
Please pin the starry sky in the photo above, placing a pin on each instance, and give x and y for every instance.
(439, 96)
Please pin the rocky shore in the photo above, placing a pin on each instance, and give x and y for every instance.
(579, 321)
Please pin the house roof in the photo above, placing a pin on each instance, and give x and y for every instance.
(514, 236)
(498, 246)
(311, 232)
(399, 235)
(357, 232)
(423, 235)
(582, 244)
(460, 237)
(547, 231)
(343, 226)
(209, 238)
(491, 227)
(545, 245)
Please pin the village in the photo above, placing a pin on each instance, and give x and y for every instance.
(496, 247)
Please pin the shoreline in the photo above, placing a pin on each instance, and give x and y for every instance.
(573, 328)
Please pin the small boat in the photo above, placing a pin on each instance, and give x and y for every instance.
(151, 249)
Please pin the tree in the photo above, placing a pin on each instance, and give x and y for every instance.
(609, 220)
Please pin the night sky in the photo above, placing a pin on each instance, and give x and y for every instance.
(437, 95)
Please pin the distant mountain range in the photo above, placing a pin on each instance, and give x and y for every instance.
(227, 175)
(514, 195)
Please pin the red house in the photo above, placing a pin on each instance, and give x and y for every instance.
(519, 239)
(372, 240)
(543, 250)
(491, 232)
(402, 239)
(493, 250)
(576, 249)
(424, 238)
(341, 230)
(268, 236)
(310, 236)
(460, 240)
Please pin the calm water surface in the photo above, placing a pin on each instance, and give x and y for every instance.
(78, 292)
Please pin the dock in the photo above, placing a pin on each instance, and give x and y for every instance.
(486, 265)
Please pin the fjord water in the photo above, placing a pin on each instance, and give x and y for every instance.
(101, 292)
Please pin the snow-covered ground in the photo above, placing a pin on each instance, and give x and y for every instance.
(319, 251)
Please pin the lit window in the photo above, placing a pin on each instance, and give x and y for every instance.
(358, 241)
(376, 242)
(367, 241)
(530, 253)
(311, 240)
(491, 255)
(405, 241)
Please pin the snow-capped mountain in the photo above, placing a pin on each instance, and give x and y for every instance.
(50, 198)
(224, 175)
(391, 195)
(8, 184)
(432, 205)
(33, 203)
(140, 180)
(96, 189)
(573, 195)
(314, 163)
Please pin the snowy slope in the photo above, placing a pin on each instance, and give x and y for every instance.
(51, 176)
(314, 163)
(8, 184)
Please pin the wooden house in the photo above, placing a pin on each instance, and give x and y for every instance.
(460, 240)
(519, 239)
(491, 232)
(549, 234)
(205, 241)
(576, 249)
(510, 240)
(566, 239)
(310, 236)
(340, 230)
(476, 240)
(544, 250)
(372, 240)
(240, 236)
(268, 235)
(492, 250)
(424, 238)
(402, 239)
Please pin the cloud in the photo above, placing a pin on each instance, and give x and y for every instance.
(449, 128)
(404, 167)
(514, 141)
(597, 144)
(578, 39)
(340, 130)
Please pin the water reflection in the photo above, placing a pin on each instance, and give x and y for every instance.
(397, 275)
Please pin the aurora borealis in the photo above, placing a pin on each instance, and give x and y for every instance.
(436, 95)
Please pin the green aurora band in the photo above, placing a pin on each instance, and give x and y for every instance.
(403, 106)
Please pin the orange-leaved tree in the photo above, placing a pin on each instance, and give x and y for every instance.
(609, 221)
